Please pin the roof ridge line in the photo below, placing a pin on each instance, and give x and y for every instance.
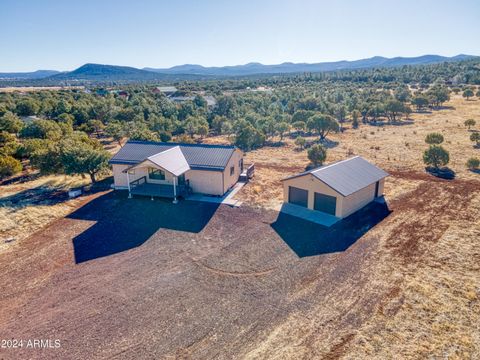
(164, 151)
(334, 163)
(179, 144)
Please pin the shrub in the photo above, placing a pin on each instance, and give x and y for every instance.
(436, 156)
(469, 123)
(473, 163)
(475, 137)
(434, 138)
(9, 166)
(10, 123)
(300, 142)
(468, 93)
(317, 154)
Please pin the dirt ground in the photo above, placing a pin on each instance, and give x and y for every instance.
(392, 147)
(123, 278)
(120, 278)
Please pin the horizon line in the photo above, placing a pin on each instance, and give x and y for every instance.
(247, 63)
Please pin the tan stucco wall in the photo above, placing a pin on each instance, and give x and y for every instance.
(230, 180)
(206, 182)
(345, 205)
(358, 199)
(201, 181)
(313, 185)
(120, 178)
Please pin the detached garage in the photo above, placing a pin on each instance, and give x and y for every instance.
(338, 189)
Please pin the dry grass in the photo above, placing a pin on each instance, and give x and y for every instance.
(393, 147)
(419, 273)
(26, 207)
(436, 311)
(433, 307)
(426, 301)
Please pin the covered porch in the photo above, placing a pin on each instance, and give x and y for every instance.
(143, 188)
(165, 175)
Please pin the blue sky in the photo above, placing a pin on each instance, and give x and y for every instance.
(62, 35)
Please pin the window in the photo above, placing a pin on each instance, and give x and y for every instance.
(232, 170)
(240, 165)
(156, 174)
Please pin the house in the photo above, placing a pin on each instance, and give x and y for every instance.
(211, 101)
(102, 92)
(166, 90)
(181, 99)
(338, 189)
(123, 94)
(176, 169)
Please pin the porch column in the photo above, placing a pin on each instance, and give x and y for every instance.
(175, 201)
(128, 184)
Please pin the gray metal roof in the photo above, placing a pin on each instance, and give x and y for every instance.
(198, 156)
(347, 176)
(171, 160)
(167, 88)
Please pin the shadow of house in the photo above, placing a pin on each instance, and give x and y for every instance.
(123, 224)
(309, 239)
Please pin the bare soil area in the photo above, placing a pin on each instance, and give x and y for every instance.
(116, 278)
(123, 278)
(392, 147)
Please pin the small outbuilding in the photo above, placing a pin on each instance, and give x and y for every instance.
(337, 189)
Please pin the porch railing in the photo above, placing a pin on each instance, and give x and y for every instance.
(139, 181)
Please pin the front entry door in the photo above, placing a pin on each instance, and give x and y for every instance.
(181, 179)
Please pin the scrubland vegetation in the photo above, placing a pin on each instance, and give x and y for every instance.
(60, 131)
(412, 280)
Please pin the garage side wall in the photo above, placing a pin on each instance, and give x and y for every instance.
(313, 185)
(381, 187)
(359, 199)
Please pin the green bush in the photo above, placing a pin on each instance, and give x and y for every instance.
(300, 142)
(475, 137)
(436, 156)
(317, 154)
(473, 163)
(434, 138)
(9, 166)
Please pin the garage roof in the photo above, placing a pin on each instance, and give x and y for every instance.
(347, 176)
(198, 156)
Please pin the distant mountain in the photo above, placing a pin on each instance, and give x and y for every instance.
(288, 67)
(105, 72)
(29, 75)
(97, 73)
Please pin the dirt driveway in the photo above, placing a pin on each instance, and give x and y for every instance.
(148, 278)
(138, 279)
